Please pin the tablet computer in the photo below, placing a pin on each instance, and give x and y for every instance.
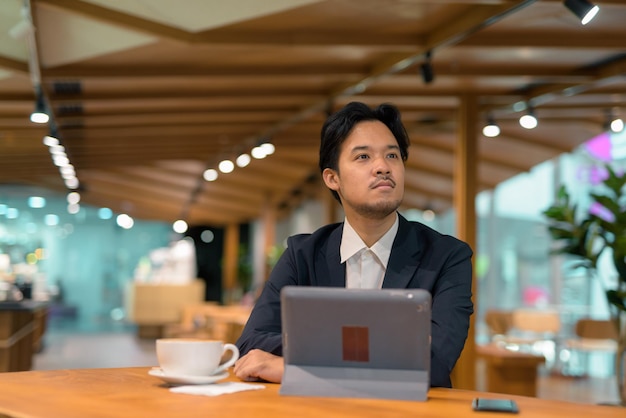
(372, 343)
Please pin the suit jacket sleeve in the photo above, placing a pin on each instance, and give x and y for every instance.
(263, 329)
(305, 262)
(424, 258)
(451, 310)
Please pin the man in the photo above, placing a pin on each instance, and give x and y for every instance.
(362, 156)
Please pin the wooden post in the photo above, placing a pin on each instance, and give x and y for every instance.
(465, 188)
(231, 261)
(269, 232)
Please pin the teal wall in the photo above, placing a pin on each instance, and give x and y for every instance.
(90, 258)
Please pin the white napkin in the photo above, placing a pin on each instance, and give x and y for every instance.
(216, 389)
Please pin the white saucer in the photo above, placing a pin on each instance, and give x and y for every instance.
(185, 379)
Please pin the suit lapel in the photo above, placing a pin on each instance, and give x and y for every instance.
(404, 258)
(329, 260)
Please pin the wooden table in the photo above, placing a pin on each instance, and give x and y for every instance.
(508, 371)
(131, 392)
(22, 325)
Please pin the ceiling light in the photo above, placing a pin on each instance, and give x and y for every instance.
(617, 125)
(210, 175)
(528, 121)
(72, 183)
(243, 160)
(491, 129)
(36, 202)
(125, 221)
(426, 69)
(39, 115)
(50, 141)
(226, 166)
(73, 208)
(258, 153)
(180, 226)
(73, 197)
(268, 148)
(583, 9)
(57, 150)
(612, 121)
(60, 160)
(67, 171)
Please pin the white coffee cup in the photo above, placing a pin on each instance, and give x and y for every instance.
(193, 357)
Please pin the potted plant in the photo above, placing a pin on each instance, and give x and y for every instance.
(601, 228)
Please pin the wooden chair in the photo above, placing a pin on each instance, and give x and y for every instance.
(193, 323)
(591, 336)
(210, 321)
(498, 322)
(228, 320)
(233, 331)
(535, 331)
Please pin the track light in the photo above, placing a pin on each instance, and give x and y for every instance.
(617, 125)
(426, 69)
(528, 121)
(491, 129)
(583, 9)
(613, 122)
(39, 115)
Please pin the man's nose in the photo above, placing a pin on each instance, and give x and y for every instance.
(382, 166)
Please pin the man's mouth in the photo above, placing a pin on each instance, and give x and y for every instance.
(383, 183)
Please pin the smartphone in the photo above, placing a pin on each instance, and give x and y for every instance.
(495, 405)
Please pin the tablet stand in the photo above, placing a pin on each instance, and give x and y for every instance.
(351, 382)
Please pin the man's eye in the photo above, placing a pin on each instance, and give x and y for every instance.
(362, 156)
(393, 155)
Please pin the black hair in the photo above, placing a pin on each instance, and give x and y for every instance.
(339, 125)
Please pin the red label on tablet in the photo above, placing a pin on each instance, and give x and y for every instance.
(355, 344)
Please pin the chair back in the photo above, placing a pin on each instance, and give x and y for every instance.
(499, 322)
(597, 329)
(537, 321)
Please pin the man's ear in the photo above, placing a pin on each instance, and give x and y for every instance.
(331, 179)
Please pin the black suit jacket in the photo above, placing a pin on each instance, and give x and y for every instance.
(420, 258)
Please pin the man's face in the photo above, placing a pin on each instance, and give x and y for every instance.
(370, 178)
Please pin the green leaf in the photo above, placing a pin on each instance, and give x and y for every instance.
(587, 237)
(617, 299)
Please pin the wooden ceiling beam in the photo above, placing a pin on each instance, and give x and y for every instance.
(11, 64)
(605, 74)
(196, 72)
(175, 117)
(128, 133)
(269, 73)
(562, 39)
(111, 16)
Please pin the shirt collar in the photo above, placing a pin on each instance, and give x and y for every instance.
(351, 243)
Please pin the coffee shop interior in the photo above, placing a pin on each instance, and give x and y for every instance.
(178, 151)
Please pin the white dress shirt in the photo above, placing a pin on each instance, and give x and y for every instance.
(365, 267)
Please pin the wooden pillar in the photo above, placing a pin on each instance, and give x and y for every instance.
(231, 260)
(269, 231)
(465, 190)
